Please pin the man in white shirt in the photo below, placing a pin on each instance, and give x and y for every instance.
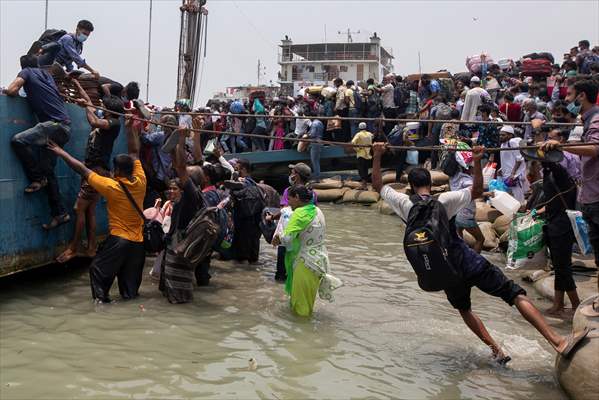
(474, 270)
(513, 166)
(474, 98)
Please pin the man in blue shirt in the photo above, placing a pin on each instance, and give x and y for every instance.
(72, 46)
(54, 125)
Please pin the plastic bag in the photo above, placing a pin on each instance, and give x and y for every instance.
(412, 157)
(497, 184)
(526, 247)
(581, 231)
(489, 173)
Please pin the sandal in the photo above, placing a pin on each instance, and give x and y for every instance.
(57, 221)
(36, 186)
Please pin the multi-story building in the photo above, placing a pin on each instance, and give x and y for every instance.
(304, 65)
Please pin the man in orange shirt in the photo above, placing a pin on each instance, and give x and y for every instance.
(122, 254)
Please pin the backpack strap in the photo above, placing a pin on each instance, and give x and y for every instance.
(131, 200)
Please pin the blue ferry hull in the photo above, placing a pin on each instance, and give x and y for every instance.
(24, 244)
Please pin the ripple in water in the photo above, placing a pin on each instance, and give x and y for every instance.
(382, 338)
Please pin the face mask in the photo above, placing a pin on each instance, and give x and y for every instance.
(291, 180)
(574, 107)
(81, 37)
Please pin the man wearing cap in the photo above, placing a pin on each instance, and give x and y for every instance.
(474, 98)
(363, 138)
(513, 167)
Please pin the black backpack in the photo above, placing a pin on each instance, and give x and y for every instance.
(427, 243)
(249, 201)
(52, 35)
(449, 164)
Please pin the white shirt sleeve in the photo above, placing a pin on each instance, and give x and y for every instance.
(399, 202)
(226, 165)
(455, 201)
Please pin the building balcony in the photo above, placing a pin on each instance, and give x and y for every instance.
(328, 56)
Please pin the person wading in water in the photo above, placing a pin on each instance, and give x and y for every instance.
(456, 268)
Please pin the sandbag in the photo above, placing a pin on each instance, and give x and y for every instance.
(502, 224)
(327, 195)
(504, 237)
(578, 374)
(491, 239)
(328, 184)
(388, 177)
(368, 197)
(468, 238)
(352, 184)
(360, 196)
(486, 213)
(439, 178)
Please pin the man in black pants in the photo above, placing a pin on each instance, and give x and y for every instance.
(122, 254)
(54, 125)
(559, 189)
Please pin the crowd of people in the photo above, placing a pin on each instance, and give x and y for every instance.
(175, 194)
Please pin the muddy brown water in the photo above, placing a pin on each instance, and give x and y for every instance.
(381, 338)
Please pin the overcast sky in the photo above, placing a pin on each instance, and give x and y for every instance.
(241, 32)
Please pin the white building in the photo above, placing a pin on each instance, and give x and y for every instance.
(320, 63)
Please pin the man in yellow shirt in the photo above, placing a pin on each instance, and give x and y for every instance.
(122, 254)
(363, 137)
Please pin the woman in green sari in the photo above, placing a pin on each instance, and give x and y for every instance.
(306, 258)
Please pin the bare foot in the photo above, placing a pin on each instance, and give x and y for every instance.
(66, 255)
(555, 311)
(500, 357)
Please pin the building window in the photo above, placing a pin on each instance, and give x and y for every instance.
(310, 68)
(343, 68)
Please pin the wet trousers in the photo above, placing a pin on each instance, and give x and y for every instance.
(117, 258)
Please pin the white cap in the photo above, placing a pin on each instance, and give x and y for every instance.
(475, 79)
(507, 129)
(362, 125)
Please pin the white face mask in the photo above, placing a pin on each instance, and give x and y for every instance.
(291, 180)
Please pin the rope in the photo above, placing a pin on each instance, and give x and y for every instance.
(317, 141)
(438, 121)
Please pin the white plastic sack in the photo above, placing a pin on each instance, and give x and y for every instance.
(581, 231)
